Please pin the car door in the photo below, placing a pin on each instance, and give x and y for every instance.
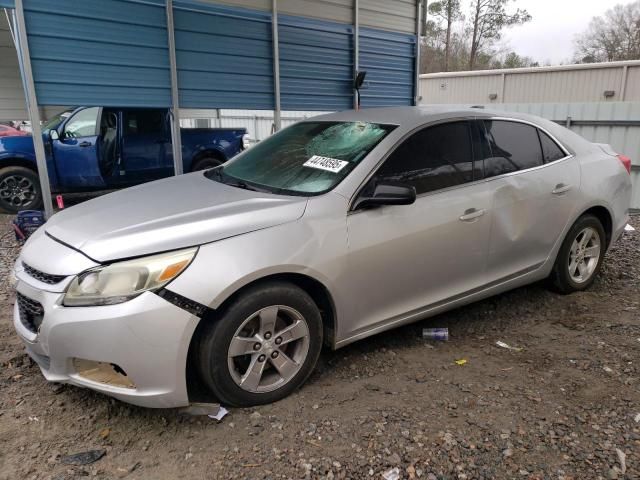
(534, 193)
(433, 250)
(75, 151)
(144, 146)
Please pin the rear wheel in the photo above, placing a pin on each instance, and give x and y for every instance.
(206, 163)
(264, 347)
(19, 189)
(580, 256)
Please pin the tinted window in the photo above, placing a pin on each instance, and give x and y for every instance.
(550, 149)
(434, 158)
(514, 146)
(82, 124)
(143, 121)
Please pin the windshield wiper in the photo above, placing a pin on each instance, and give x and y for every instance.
(217, 175)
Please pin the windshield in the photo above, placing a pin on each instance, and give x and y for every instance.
(307, 158)
(56, 120)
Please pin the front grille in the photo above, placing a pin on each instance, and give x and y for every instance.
(47, 278)
(31, 312)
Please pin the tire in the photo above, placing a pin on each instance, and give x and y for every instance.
(206, 163)
(19, 190)
(570, 253)
(241, 341)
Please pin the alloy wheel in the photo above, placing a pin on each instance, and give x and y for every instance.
(17, 191)
(584, 255)
(268, 349)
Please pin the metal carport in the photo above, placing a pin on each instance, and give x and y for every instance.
(253, 54)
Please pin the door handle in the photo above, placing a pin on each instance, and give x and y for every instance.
(85, 144)
(560, 189)
(471, 214)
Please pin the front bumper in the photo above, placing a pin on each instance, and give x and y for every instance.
(147, 337)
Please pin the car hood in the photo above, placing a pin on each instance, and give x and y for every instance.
(168, 214)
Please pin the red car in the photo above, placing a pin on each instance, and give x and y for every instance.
(7, 131)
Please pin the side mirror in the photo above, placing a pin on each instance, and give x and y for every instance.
(53, 134)
(387, 193)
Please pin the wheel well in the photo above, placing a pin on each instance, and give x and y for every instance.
(316, 290)
(18, 162)
(207, 153)
(602, 214)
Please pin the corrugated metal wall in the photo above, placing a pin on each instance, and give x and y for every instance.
(388, 58)
(316, 64)
(112, 52)
(393, 15)
(567, 83)
(7, 4)
(224, 56)
(12, 102)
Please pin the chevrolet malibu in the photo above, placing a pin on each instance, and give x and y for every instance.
(229, 281)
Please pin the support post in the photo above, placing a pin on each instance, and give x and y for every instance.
(176, 140)
(32, 108)
(356, 46)
(277, 112)
(416, 95)
(623, 83)
(503, 80)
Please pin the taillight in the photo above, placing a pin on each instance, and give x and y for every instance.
(626, 161)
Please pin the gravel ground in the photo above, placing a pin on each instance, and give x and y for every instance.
(567, 406)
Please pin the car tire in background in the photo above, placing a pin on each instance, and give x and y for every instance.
(19, 190)
(206, 163)
(263, 347)
(580, 257)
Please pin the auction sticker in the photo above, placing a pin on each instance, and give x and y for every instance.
(325, 163)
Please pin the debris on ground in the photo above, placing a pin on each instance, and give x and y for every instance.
(502, 344)
(462, 361)
(436, 334)
(222, 412)
(629, 228)
(393, 474)
(83, 458)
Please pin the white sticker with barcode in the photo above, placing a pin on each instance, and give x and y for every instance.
(325, 163)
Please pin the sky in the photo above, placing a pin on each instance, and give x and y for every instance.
(549, 36)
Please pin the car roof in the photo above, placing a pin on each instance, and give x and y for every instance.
(414, 116)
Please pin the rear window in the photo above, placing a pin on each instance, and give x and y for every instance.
(307, 158)
(514, 146)
(550, 149)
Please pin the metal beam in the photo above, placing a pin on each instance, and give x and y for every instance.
(598, 123)
(416, 93)
(275, 39)
(176, 140)
(32, 108)
(356, 45)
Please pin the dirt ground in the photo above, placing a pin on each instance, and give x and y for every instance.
(565, 407)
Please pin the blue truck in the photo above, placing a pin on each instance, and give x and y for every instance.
(104, 148)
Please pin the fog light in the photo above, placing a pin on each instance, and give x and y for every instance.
(101, 372)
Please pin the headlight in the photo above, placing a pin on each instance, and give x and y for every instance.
(246, 141)
(122, 281)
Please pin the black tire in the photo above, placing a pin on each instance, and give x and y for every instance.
(206, 163)
(215, 340)
(19, 190)
(561, 280)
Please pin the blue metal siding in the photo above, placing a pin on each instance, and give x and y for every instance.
(316, 64)
(7, 4)
(224, 56)
(112, 52)
(389, 59)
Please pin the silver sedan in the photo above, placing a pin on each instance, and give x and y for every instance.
(229, 281)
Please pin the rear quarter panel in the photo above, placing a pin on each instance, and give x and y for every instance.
(226, 142)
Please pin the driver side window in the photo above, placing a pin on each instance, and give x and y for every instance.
(83, 124)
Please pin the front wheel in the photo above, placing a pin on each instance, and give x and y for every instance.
(264, 346)
(19, 190)
(580, 256)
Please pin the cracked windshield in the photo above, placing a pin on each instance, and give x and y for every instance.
(305, 159)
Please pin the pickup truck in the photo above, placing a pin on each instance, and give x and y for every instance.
(105, 148)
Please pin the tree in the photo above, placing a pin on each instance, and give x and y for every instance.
(489, 19)
(449, 11)
(613, 36)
